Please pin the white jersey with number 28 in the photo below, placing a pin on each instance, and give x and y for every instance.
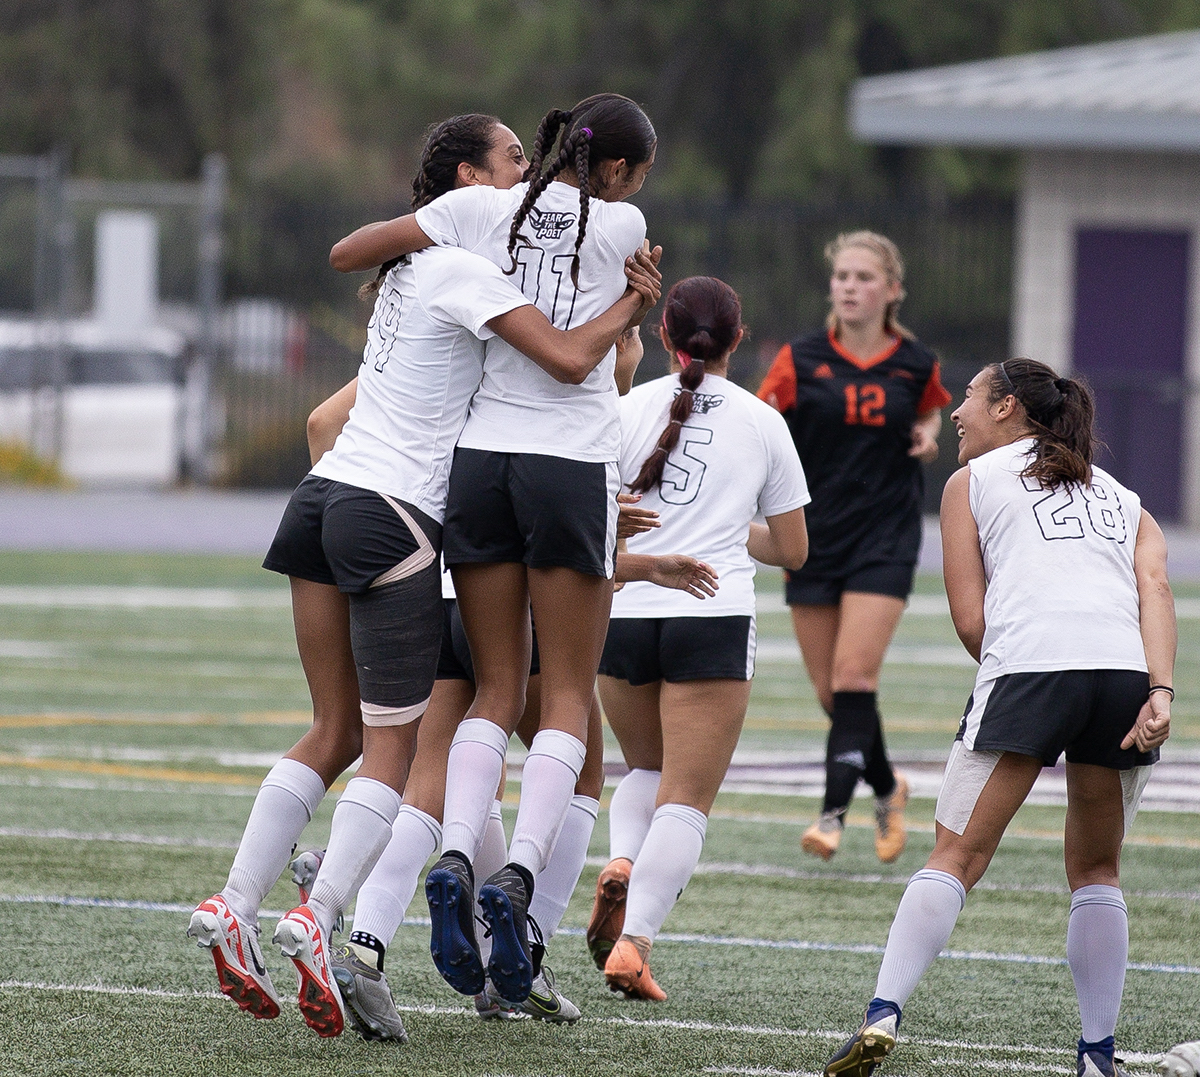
(1061, 591)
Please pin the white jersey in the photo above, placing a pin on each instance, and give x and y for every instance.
(735, 458)
(422, 363)
(519, 407)
(1061, 591)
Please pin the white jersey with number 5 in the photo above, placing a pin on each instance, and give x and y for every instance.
(735, 458)
(519, 407)
(1061, 591)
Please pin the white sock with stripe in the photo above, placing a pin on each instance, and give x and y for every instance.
(547, 785)
(664, 866)
(473, 771)
(1097, 950)
(554, 887)
(284, 806)
(362, 828)
(385, 896)
(926, 916)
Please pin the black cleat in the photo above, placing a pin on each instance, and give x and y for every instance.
(449, 889)
(505, 900)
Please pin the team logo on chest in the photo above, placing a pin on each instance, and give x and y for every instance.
(702, 403)
(550, 224)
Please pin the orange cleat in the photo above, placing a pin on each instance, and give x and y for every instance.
(890, 834)
(628, 969)
(824, 836)
(608, 910)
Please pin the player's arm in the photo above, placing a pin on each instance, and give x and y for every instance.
(675, 570)
(962, 562)
(925, 437)
(782, 541)
(373, 244)
(326, 420)
(1156, 611)
(572, 355)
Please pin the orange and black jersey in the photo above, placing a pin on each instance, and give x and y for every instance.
(851, 420)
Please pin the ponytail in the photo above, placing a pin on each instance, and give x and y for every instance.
(448, 144)
(702, 318)
(1061, 413)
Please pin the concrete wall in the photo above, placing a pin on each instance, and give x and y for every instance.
(1064, 190)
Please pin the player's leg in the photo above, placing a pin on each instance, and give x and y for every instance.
(633, 715)
(701, 721)
(980, 794)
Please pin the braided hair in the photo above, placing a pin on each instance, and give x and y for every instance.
(1061, 413)
(702, 318)
(604, 127)
(448, 144)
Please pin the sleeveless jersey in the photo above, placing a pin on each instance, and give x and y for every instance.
(851, 421)
(1061, 591)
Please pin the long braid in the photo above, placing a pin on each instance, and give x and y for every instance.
(582, 172)
(536, 187)
(553, 122)
(651, 474)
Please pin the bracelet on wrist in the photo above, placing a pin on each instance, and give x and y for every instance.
(1163, 688)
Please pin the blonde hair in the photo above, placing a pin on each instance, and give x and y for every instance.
(893, 268)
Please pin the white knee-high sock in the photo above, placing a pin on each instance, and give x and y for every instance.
(554, 887)
(1097, 949)
(926, 916)
(663, 868)
(632, 808)
(492, 854)
(385, 896)
(284, 806)
(547, 785)
(361, 830)
(473, 772)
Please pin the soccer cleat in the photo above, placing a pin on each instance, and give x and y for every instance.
(869, 1046)
(890, 834)
(235, 951)
(304, 874)
(628, 970)
(505, 901)
(823, 837)
(1182, 1060)
(364, 989)
(545, 1003)
(489, 1006)
(608, 910)
(450, 889)
(300, 938)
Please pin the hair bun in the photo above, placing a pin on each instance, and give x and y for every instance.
(1061, 384)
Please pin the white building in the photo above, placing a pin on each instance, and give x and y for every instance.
(1107, 259)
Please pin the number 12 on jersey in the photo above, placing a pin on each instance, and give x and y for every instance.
(864, 405)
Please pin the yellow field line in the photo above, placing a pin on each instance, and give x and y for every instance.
(33, 721)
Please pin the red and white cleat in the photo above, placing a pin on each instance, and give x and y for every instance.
(300, 938)
(235, 951)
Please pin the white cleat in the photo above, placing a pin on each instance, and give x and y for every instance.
(300, 938)
(545, 1002)
(241, 973)
(1182, 1060)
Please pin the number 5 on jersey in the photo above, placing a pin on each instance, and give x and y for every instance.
(864, 405)
(685, 470)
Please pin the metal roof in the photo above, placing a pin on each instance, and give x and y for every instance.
(1140, 94)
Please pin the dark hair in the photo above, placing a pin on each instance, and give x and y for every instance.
(702, 318)
(448, 144)
(605, 127)
(1061, 413)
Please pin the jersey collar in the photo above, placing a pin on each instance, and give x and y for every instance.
(865, 364)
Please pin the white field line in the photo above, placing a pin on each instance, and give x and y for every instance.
(123, 838)
(627, 1022)
(116, 785)
(687, 939)
(174, 598)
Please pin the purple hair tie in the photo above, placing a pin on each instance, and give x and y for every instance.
(587, 131)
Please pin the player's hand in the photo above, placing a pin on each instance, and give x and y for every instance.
(631, 520)
(924, 445)
(684, 573)
(641, 271)
(1153, 725)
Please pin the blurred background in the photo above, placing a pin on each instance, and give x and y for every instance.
(173, 173)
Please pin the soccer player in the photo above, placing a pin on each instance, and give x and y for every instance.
(1057, 580)
(363, 531)
(675, 675)
(862, 398)
(532, 511)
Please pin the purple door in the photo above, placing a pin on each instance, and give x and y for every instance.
(1130, 332)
